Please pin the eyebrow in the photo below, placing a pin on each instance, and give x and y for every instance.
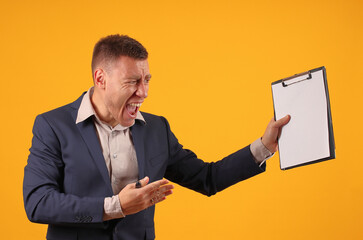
(148, 76)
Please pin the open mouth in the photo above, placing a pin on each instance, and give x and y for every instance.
(132, 109)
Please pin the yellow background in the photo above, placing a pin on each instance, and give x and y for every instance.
(212, 64)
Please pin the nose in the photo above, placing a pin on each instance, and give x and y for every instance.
(142, 90)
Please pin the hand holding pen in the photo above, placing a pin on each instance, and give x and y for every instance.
(138, 196)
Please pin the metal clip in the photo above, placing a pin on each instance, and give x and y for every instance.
(295, 76)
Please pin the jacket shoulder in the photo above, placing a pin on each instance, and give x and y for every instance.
(60, 112)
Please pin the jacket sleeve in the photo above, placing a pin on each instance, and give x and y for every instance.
(44, 199)
(186, 169)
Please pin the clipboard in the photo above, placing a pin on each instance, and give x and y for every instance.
(308, 137)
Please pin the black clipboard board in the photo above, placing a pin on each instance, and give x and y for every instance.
(309, 137)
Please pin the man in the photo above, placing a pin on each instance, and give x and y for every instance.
(87, 157)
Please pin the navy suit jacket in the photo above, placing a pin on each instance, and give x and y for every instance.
(66, 178)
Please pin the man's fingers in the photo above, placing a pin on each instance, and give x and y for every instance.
(155, 185)
(283, 121)
(167, 193)
(144, 181)
(162, 192)
(158, 191)
(165, 188)
(138, 196)
(159, 197)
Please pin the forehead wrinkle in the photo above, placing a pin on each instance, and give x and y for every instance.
(134, 77)
(137, 75)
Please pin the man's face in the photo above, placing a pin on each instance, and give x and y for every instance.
(126, 87)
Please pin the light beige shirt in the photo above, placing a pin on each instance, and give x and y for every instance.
(120, 156)
(118, 152)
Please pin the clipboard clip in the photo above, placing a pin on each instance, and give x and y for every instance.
(284, 84)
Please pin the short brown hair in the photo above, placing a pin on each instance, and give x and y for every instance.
(110, 48)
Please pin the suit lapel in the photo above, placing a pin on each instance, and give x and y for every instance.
(137, 133)
(89, 136)
(88, 133)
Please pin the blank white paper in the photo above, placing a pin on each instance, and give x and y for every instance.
(306, 137)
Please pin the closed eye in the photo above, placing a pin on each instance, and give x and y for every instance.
(147, 78)
(133, 82)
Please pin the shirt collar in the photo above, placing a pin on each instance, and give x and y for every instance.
(86, 110)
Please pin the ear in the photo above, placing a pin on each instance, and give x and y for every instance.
(100, 78)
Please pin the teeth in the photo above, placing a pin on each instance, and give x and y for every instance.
(135, 104)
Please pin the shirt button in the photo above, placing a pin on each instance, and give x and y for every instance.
(114, 155)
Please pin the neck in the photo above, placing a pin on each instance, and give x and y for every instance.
(101, 111)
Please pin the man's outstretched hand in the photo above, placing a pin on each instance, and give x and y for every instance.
(273, 131)
(135, 199)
